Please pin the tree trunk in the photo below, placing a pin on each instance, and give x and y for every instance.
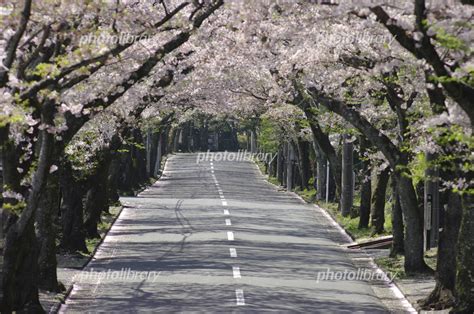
(289, 167)
(378, 202)
(139, 159)
(20, 271)
(113, 179)
(366, 185)
(414, 261)
(46, 235)
(365, 199)
(72, 212)
(159, 153)
(285, 164)
(321, 176)
(321, 139)
(205, 137)
(303, 163)
(20, 265)
(96, 199)
(443, 294)
(253, 141)
(465, 257)
(397, 221)
(148, 149)
(280, 164)
(347, 187)
(184, 147)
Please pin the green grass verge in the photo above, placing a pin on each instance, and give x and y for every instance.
(351, 225)
(103, 227)
(394, 265)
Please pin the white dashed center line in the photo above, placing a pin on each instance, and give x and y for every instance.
(239, 293)
(236, 272)
(239, 297)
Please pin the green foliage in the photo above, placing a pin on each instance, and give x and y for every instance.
(351, 225)
(309, 195)
(269, 138)
(450, 41)
(46, 69)
(418, 168)
(6, 120)
(15, 209)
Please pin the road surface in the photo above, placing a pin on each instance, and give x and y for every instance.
(215, 237)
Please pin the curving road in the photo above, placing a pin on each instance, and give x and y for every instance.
(215, 237)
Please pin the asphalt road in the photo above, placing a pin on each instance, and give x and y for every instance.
(218, 238)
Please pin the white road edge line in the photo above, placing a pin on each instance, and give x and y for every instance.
(228, 222)
(233, 252)
(236, 272)
(239, 297)
(230, 236)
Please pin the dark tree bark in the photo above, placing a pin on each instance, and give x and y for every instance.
(20, 266)
(253, 141)
(139, 159)
(366, 186)
(72, 211)
(185, 137)
(96, 201)
(347, 192)
(397, 221)
(159, 155)
(321, 182)
(285, 164)
(303, 163)
(464, 257)
(322, 141)
(46, 235)
(20, 271)
(113, 179)
(205, 137)
(280, 164)
(414, 261)
(289, 167)
(443, 294)
(377, 218)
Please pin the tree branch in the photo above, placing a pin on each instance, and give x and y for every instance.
(13, 42)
